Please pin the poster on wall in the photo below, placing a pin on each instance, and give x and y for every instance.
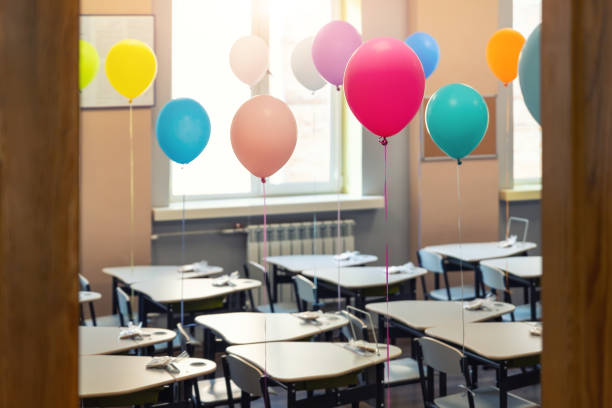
(103, 32)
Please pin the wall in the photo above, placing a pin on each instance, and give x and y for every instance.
(105, 192)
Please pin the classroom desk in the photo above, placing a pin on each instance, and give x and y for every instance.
(109, 376)
(291, 363)
(105, 340)
(167, 294)
(525, 270)
(498, 345)
(358, 281)
(472, 253)
(138, 273)
(248, 328)
(285, 266)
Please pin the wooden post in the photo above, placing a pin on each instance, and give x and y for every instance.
(39, 176)
(577, 203)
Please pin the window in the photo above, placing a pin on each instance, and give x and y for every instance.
(203, 32)
(526, 15)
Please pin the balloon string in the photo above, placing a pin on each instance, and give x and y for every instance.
(183, 256)
(383, 141)
(460, 257)
(508, 147)
(265, 249)
(338, 249)
(131, 134)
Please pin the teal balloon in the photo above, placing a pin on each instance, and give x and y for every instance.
(457, 118)
(182, 129)
(529, 73)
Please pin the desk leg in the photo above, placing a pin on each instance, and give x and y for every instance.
(274, 283)
(532, 300)
(170, 324)
(380, 387)
(290, 396)
(114, 294)
(195, 392)
(503, 392)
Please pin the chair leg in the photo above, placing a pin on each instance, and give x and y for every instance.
(448, 292)
(92, 314)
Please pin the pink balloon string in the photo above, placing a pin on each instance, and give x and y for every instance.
(383, 141)
(265, 261)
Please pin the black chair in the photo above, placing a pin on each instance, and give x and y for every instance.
(270, 307)
(85, 286)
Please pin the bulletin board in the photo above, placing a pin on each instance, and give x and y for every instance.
(103, 32)
(486, 149)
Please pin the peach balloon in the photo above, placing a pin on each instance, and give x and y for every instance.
(263, 135)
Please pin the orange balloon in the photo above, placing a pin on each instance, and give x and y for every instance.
(263, 135)
(503, 50)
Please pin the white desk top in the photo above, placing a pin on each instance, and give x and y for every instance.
(105, 340)
(86, 296)
(361, 277)
(175, 290)
(496, 341)
(527, 267)
(478, 251)
(424, 314)
(248, 328)
(147, 272)
(299, 263)
(303, 361)
(105, 376)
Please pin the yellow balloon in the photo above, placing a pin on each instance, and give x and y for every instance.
(89, 62)
(131, 67)
(503, 51)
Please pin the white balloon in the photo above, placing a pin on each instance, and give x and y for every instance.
(303, 66)
(249, 59)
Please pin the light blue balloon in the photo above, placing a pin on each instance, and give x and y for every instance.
(529, 73)
(427, 49)
(183, 129)
(457, 118)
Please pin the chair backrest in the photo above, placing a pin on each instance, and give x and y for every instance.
(266, 282)
(516, 220)
(187, 341)
(493, 278)
(246, 376)
(356, 329)
(84, 283)
(431, 261)
(441, 356)
(305, 289)
(125, 307)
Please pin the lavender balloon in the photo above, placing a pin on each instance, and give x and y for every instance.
(331, 49)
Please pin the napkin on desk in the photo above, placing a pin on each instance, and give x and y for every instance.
(194, 267)
(167, 362)
(226, 280)
(507, 243)
(346, 256)
(132, 332)
(405, 268)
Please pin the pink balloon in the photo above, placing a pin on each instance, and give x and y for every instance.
(384, 85)
(263, 135)
(332, 47)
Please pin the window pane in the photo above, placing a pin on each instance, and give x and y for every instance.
(312, 161)
(527, 14)
(203, 32)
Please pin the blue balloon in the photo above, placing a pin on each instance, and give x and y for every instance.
(427, 49)
(183, 129)
(529, 73)
(457, 118)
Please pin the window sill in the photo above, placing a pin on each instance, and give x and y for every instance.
(526, 192)
(242, 207)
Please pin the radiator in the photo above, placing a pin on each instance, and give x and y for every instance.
(296, 238)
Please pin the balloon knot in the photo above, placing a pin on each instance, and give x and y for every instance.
(506, 84)
(263, 179)
(130, 101)
(338, 88)
(458, 162)
(383, 141)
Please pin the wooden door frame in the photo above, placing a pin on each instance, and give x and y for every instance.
(39, 207)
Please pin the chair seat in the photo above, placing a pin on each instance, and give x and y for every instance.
(441, 294)
(487, 397)
(523, 313)
(282, 307)
(214, 390)
(402, 370)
